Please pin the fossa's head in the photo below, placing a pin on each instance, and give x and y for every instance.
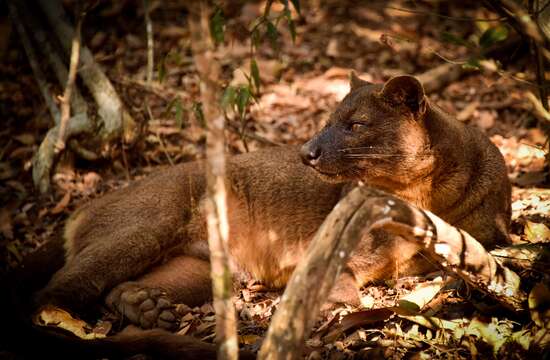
(375, 134)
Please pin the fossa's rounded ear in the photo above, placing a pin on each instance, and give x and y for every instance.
(405, 90)
(355, 82)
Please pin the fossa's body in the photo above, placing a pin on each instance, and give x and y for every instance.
(144, 247)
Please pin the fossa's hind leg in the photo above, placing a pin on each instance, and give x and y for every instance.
(149, 301)
(123, 254)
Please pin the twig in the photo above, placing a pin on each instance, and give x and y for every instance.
(209, 71)
(431, 49)
(155, 88)
(150, 48)
(163, 148)
(235, 127)
(31, 55)
(66, 99)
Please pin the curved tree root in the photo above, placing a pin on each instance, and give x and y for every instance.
(113, 121)
(363, 210)
(44, 159)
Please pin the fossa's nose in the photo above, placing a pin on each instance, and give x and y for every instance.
(310, 154)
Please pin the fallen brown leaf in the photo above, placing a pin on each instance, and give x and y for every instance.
(536, 232)
(56, 317)
(424, 292)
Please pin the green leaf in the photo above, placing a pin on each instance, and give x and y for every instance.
(161, 69)
(471, 64)
(243, 98)
(179, 113)
(255, 72)
(272, 34)
(296, 4)
(174, 57)
(454, 39)
(409, 306)
(169, 107)
(228, 98)
(255, 37)
(217, 23)
(493, 35)
(291, 25)
(199, 114)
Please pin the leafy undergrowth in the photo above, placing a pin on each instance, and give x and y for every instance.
(301, 83)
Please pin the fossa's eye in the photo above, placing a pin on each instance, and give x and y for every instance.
(357, 126)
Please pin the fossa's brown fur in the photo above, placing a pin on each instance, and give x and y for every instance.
(144, 247)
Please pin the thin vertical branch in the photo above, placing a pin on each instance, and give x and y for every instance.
(216, 207)
(150, 44)
(66, 99)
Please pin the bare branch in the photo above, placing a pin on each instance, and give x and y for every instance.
(66, 99)
(150, 45)
(218, 227)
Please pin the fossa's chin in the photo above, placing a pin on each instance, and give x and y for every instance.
(334, 178)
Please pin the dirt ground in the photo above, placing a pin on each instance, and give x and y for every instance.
(301, 83)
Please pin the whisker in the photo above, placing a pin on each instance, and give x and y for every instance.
(360, 148)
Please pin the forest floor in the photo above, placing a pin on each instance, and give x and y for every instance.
(301, 83)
